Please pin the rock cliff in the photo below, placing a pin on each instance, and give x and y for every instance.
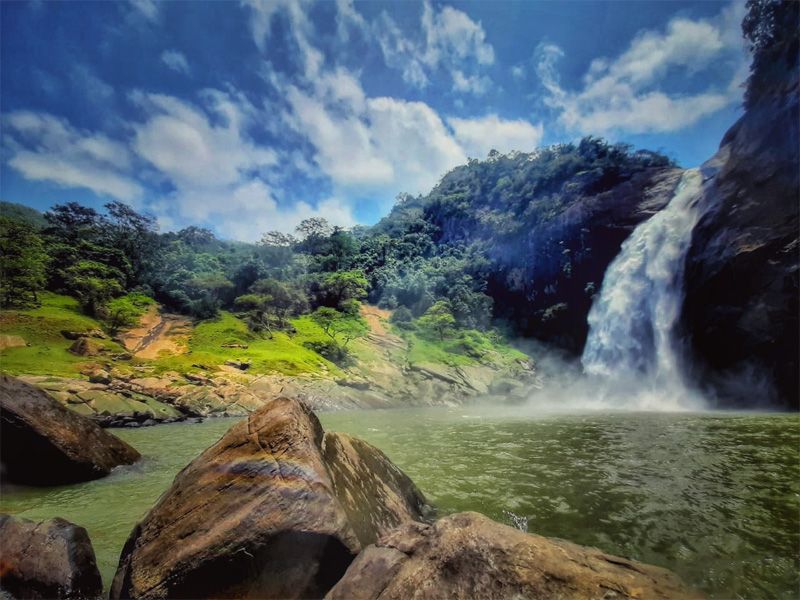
(742, 287)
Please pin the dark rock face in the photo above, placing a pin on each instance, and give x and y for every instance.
(741, 307)
(44, 443)
(51, 559)
(467, 556)
(275, 509)
(546, 282)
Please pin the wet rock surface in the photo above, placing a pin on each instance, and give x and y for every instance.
(467, 555)
(51, 559)
(44, 443)
(275, 509)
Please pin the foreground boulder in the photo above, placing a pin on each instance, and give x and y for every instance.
(467, 556)
(51, 559)
(275, 509)
(44, 443)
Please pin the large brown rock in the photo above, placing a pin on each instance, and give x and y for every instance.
(44, 443)
(275, 509)
(51, 559)
(467, 555)
(85, 346)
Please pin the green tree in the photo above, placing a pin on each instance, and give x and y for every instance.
(94, 284)
(341, 327)
(23, 263)
(213, 284)
(77, 234)
(314, 227)
(135, 235)
(337, 288)
(259, 312)
(286, 298)
(210, 290)
(438, 319)
(125, 311)
(277, 250)
(771, 30)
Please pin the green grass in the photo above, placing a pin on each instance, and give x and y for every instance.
(132, 305)
(425, 350)
(41, 328)
(284, 353)
(462, 348)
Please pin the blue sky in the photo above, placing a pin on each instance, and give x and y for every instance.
(247, 117)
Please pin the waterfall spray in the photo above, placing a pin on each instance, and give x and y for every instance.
(632, 343)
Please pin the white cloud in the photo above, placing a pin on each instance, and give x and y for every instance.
(181, 142)
(448, 40)
(686, 43)
(258, 211)
(175, 60)
(146, 8)
(450, 33)
(380, 146)
(401, 52)
(46, 148)
(347, 18)
(371, 145)
(479, 136)
(623, 94)
(219, 174)
(296, 12)
(477, 84)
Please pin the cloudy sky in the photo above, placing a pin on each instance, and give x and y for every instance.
(251, 116)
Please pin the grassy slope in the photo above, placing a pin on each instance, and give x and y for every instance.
(467, 348)
(41, 328)
(284, 353)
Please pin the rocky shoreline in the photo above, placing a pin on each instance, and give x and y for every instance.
(280, 508)
(115, 398)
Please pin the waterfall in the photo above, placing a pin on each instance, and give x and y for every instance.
(631, 343)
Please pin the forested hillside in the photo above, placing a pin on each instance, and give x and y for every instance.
(498, 242)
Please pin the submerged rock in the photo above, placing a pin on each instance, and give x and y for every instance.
(467, 555)
(44, 443)
(51, 559)
(275, 509)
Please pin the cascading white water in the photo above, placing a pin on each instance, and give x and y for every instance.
(631, 345)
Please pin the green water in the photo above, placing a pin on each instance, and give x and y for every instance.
(714, 497)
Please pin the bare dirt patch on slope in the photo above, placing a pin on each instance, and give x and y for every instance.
(158, 332)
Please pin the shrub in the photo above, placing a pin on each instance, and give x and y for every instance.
(331, 350)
